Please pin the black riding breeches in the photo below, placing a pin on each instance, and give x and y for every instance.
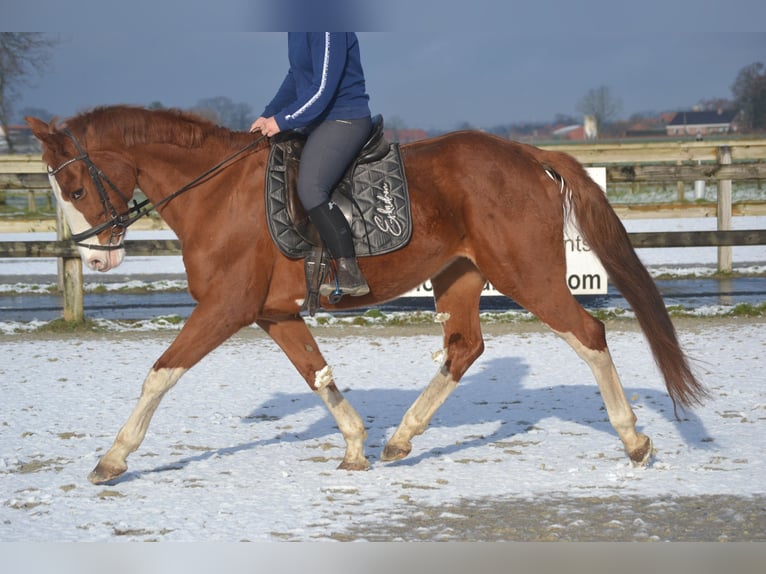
(329, 150)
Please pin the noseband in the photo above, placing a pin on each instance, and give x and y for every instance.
(118, 223)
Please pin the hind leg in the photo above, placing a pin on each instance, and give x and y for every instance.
(456, 291)
(621, 416)
(541, 289)
(586, 335)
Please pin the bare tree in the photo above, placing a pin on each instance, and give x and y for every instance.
(601, 104)
(714, 104)
(41, 113)
(224, 112)
(395, 124)
(21, 54)
(749, 90)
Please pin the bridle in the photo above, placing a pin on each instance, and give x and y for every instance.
(119, 222)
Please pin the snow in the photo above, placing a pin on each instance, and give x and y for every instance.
(242, 449)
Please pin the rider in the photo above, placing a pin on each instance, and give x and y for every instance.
(324, 94)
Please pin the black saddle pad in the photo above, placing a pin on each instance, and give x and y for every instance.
(377, 207)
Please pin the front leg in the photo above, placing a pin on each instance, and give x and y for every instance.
(131, 435)
(351, 427)
(202, 332)
(294, 338)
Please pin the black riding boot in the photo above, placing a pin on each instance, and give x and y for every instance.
(336, 234)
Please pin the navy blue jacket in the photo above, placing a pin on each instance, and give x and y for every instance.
(325, 81)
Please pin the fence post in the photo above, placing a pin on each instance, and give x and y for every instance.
(31, 203)
(69, 277)
(680, 186)
(724, 211)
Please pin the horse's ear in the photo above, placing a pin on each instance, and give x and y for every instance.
(38, 126)
(45, 132)
(40, 129)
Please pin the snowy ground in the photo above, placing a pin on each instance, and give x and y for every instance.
(242, 450)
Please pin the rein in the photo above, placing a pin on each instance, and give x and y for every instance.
(120, 222)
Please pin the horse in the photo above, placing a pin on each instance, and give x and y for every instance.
(483, 208)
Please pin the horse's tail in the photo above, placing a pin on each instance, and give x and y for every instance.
(604, 233)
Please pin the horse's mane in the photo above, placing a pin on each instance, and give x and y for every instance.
(135, 125)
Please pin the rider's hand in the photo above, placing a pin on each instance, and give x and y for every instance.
(267, 126)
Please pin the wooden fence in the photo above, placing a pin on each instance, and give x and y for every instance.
(681, 162)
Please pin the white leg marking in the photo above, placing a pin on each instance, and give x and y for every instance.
(418, 416)
(618, 409)
(323, 378)
(350, 425)
(157, 383)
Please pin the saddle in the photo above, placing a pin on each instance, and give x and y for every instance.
(372, 195)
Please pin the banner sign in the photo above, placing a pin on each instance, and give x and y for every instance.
(585, 274)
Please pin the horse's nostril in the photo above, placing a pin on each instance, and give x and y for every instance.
(96, 264)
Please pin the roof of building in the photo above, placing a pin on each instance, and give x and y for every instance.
(705, 118)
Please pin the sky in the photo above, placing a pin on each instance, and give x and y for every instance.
(428, 63)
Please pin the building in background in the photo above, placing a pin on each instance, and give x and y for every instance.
(702, 123)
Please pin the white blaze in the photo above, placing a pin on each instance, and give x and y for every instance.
(95, 259)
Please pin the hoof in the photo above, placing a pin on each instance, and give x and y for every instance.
(642, 454)
(392, 453)
(106, 472)
(358, 465)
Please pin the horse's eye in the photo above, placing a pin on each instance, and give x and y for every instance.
(77, 194)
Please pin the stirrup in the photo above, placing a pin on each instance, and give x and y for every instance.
(336, 295)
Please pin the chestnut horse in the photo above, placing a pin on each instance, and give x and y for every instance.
(483, 209)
